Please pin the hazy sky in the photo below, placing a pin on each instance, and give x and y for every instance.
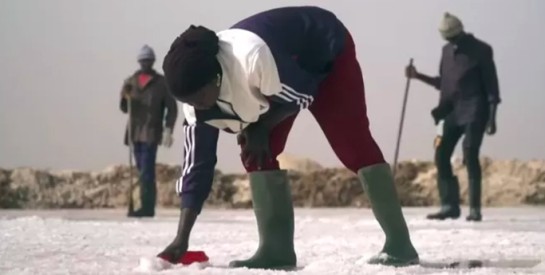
(62, 64)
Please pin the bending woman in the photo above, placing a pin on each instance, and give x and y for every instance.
(253, 79)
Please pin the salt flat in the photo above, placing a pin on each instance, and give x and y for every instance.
(328, 241)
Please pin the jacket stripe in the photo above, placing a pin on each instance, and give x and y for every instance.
(189, 151)
(289, 94)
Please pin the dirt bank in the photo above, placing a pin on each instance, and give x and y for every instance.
(506, 183)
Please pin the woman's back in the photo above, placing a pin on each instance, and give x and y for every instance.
(312, 35)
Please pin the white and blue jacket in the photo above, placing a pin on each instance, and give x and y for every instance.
(278, 56)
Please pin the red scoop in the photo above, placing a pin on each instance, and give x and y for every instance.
(188, 258)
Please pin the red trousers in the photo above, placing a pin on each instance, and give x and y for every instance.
(340, 110)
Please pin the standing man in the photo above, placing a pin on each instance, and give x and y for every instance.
(467, 106)
(151, 106)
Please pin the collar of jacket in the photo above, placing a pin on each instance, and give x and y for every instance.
(153, 72)
(464, 43)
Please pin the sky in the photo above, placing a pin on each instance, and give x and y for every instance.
(62, 64)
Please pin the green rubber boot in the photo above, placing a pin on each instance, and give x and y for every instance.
(378, 183)
(273, 210)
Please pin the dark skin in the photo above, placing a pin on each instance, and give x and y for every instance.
(411, 72)
(255, 137)
(146, 65)
(206, 97)
(255, 149)
(203, 99)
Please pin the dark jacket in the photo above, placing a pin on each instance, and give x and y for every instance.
(467, 80)
(149, 105)
(311, 35)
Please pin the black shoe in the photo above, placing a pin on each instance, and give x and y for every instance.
(148, 198)
(474, 215)
(446, 212)
(141, 213)
(474, 200)
(389, 260)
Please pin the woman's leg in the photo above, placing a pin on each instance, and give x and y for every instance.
(273, 208)
(341, 112)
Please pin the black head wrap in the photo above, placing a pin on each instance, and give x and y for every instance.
(191, 61)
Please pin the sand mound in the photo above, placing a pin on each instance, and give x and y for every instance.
(505, 183)
(298, 164)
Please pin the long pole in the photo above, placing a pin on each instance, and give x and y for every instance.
(131, 166)
(400, 130)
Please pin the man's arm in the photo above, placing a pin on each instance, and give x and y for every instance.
(491, 87)
(125, 90)
(199, 163)
(490, 77)
(172, 111)
(434, 81)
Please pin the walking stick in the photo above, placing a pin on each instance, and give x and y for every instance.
(400, 130)
(130, 211)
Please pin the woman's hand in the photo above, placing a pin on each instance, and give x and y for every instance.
(178, 247)
(174, 251)
(254, 140)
